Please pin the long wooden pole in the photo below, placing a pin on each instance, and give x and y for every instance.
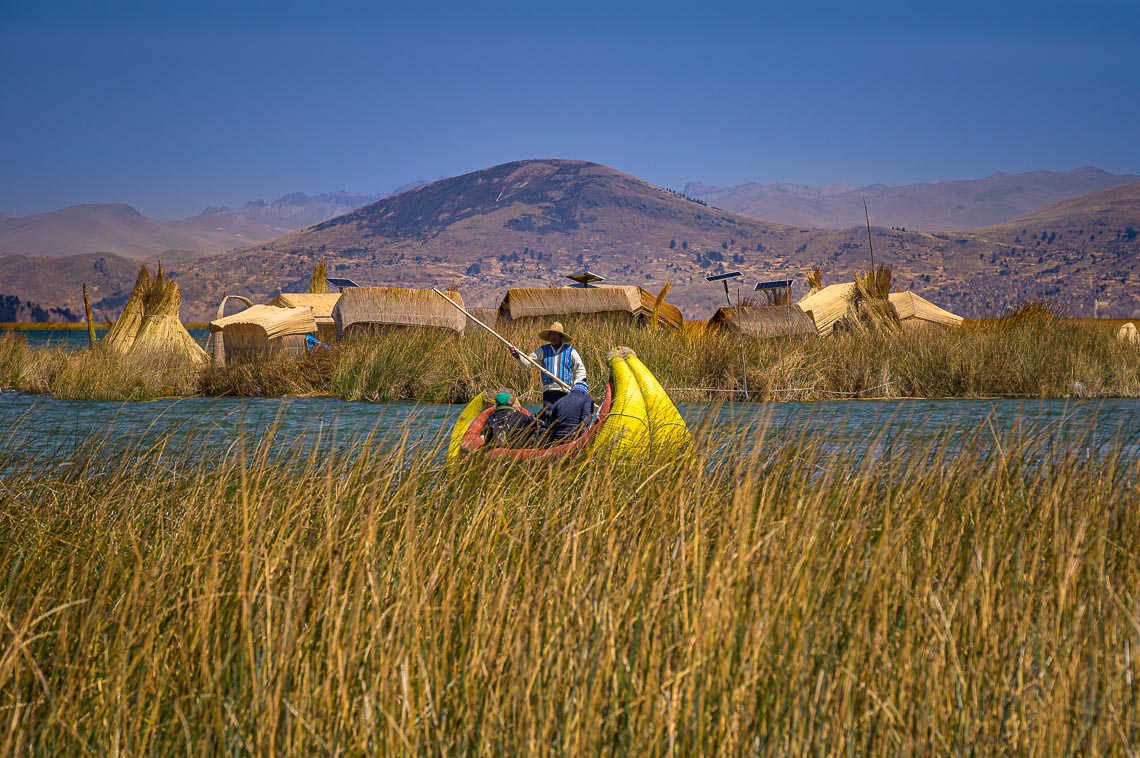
(90, 321)
(867, 215)
(502, 339)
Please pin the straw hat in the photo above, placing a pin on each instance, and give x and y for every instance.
(555, 327)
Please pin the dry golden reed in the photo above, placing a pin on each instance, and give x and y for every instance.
(787, 595)
(1018, 357)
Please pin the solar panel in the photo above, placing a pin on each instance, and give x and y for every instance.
(342, 283)
(723, 277)
(585, 278)
(773, 285)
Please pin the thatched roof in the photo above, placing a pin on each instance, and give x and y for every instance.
(764, 320)
(827, 306)
(830, 304)
(396, 306)
(912, 307)
(273, 320)
(553, 302)
(322, 304)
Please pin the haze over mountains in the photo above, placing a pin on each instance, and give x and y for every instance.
(119, 229)
(930, 206)
(531, 222)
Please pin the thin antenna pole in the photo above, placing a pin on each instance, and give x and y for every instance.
(739, 314)
(867, 215)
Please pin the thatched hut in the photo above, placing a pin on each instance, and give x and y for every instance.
(764, 321)
(830, 305)
(150, 322)
(362, 309)
(627, 301)
(827, 306)
(264, 329)
(916, 311)
(321, 303)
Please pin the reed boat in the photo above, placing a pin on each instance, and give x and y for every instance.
(635, 420)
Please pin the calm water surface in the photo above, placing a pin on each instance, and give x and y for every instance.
(35, 427)
(76, 339)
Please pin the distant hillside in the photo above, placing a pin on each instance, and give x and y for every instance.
(528, 222)
(1084, 248)
(117, 229)
(298, 210)
(533, 222)
(932, 206)
(36, 288)
(231, 223)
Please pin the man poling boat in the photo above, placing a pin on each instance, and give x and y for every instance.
(635, 419)
(559, 359)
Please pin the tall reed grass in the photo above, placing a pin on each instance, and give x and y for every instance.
(784, 596)
(1024, 357)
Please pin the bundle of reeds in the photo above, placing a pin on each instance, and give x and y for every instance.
(815, 280)
(319, 284)
(150, 322)
(121, 337)
(869, 307)
(1031, 311)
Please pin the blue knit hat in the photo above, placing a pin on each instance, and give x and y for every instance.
(503, 398)
(581, 387)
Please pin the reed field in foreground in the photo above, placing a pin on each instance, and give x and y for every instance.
(357, 597)
(1033, 357)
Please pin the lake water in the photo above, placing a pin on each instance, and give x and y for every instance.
(76, 339)
(37, 428)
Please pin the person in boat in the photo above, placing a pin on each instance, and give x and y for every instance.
(558, 357)
(509, 426)
(569, 415)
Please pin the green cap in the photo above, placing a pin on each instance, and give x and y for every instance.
(503, 398)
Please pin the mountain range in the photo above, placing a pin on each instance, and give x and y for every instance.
(931, 206)
(119, 229)
(532, 222)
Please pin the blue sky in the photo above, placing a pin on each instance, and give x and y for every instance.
(174, 106)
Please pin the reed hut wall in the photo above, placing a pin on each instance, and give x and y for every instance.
(364, 308)
(765, 321)
(250, 340)
(262, 329)
(555, 302)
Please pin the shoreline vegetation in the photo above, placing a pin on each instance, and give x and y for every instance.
(302, 594)
(1037, 356)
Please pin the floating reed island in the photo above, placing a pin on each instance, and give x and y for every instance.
(855, 339)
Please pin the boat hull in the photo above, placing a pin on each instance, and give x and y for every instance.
(636, 420)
